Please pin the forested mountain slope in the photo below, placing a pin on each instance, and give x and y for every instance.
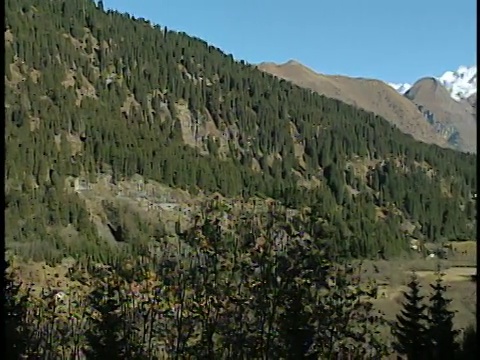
(90, 92)
(368, 94)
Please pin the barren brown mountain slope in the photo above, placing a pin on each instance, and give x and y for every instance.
(370, 95)
(472, 100)
(431, 95)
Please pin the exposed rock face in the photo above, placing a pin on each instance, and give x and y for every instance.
(457, 119)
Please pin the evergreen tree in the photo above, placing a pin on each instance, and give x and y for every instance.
(15, 310)
(410, 328)
(440, 323)
(123, 110)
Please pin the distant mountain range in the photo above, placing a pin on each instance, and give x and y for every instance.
(461, 83)
(449, 104)
(439, 110)
(454, 116)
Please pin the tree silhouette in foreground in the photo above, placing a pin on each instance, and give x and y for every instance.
(209, 295)
(410, 328)
(440, 323)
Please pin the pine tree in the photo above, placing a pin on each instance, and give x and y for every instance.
(16, 308)
(410, 328)
(440, 323)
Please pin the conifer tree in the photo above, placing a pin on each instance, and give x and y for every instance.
(15, 310)
(440, 323)
(410, 328)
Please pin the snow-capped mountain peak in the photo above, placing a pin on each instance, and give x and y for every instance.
(401, 88)
(461, 83)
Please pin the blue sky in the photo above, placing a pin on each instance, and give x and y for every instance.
(392, 40)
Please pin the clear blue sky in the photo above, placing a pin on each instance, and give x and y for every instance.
(392, 40)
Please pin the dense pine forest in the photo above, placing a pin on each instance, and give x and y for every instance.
(96, 100)
(92, 92)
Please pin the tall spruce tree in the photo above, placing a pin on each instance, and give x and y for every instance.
(410, 328)
(440, 323)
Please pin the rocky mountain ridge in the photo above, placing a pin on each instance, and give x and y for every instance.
(461, 83)
(369, 94)
(439, 121)
(455, 119)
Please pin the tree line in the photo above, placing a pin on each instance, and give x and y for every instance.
(215, 296)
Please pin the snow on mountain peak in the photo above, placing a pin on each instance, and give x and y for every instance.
(460, 83)
(401, 88)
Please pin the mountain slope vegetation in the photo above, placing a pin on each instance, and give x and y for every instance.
(368, 94)
(92, 92)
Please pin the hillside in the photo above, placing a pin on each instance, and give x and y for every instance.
(95, 100)
(459, 114)
(371, 95)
